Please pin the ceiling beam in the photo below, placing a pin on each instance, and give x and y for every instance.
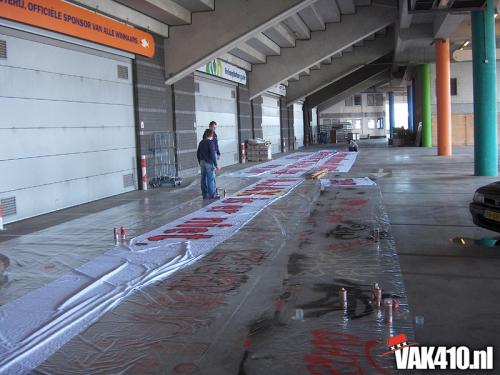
(363, 74)
(336, 38)
(236, 61)
(166, 11)
(312, 17)
(281, 35)
(298, 28)
(347, 6)
(265, 45)
(445, 25)
(122, 12)
(363, 85)
(196, 5)
(214, 33)
(360, 56)
(248, 53)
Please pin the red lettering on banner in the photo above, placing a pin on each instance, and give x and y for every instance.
(267, 187)
(273, 184)
(162, 237)
(353, 202)
(273, 180)
(227, 209)
(335, 218)
(208, 219)
(337, 353)
(198, 224)
(348, 245)
(186, 230)
(240, 200)
(252, 192)
(347, 181)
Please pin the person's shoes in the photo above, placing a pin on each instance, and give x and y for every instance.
(205, 198)
(217, 196)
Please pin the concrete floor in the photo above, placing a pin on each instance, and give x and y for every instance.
(451, 285)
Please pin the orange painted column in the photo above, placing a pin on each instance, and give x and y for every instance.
(443, 96)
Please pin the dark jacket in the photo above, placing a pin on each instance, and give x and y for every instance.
(215, 140)
(206, 151)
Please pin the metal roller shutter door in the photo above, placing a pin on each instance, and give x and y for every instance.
(271, 121)
(67, 126)
(216, 101)
(298, 124)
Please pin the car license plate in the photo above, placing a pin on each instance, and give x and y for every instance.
(492, 215)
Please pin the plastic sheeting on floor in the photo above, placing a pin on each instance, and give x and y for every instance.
(363, 181)
(269, 166)
(37, 324)
(294, 165)
(341, 162)
(266, 301)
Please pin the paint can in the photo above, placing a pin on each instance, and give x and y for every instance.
(343, 298)
(388, 310)
(116, 236)
(122, 233)
(299, 314)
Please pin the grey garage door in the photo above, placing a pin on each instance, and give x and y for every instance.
(271, 121)
(298, 124)
(66, 125)
(216, 101)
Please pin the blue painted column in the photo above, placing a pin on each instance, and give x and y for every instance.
(391, 114)
(485, 91)
(409, 98)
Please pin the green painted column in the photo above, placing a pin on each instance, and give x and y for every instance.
(425, 76)
(485, 91)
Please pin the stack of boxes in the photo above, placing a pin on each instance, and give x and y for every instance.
(258, 150)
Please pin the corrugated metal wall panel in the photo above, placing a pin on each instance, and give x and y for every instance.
(216, 101)
(67, 126)
(298, 124)
(271, 121)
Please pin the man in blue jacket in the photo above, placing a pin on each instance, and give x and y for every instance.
(207, 158)
(212, 126)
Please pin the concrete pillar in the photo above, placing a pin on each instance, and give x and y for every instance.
(391, 114)
(306, 111)
(485, 91)
(443, 96)
(425, 74)
(409, 99)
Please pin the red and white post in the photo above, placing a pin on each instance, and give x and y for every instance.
(243, 153)
(143, 172)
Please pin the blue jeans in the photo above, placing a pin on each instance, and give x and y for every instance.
(208, 188)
